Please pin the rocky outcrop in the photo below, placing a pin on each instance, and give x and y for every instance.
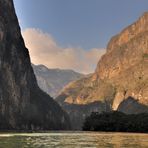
(125, 63)
(132, 106)
(52, 81)
(23, 106)
(121, 73)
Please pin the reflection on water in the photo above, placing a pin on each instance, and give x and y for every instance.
(74, 140)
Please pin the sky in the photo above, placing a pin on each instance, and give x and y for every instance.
(73, 34)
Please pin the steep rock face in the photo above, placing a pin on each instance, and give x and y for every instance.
(125, 50)
(121, 73)
(126, 61)
(23, 106)
(52, 81)
(80, 98)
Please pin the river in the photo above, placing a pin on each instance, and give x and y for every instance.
(73, 140)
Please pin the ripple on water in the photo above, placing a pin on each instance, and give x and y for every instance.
(73, 140)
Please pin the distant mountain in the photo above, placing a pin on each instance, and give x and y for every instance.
(52, 81)
(120, 81)
(23, 105)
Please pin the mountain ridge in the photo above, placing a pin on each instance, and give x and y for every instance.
(52, 81)
(120, 73)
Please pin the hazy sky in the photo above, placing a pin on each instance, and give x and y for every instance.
(73, 26)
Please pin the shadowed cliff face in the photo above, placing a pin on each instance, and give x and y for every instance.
(121, 72)
(130, 105)
(22, 104)
(78, 113)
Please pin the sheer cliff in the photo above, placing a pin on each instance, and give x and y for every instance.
(23, 106)
(121, 77)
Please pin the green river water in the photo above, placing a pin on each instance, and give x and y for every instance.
(73, 140)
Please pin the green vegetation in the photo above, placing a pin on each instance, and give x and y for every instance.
(145, 55)
(116, 121)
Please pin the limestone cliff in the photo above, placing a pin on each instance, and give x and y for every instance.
(23, 106)
(125, 63)
(122, 73)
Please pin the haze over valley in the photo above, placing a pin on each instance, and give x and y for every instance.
(65, 68)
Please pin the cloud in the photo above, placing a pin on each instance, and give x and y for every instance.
(44, 50)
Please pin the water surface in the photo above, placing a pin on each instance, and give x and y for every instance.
(73, 140)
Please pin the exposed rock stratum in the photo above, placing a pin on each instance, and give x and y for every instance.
(120, 81)
(23, 106)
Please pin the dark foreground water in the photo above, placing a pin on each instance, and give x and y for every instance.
(73, 140)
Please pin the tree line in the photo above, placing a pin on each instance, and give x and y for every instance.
(116, 122)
